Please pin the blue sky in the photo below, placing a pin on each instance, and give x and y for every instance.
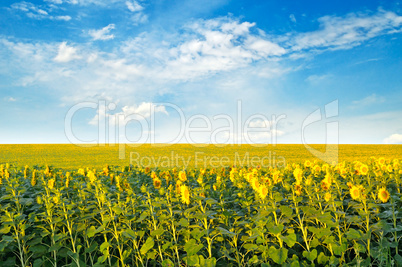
(97, 71)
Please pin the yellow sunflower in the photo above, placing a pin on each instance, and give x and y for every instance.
(355, 192)
(327, 196)
(182, 176)
(383, 195)
(157, 183)
(363, 169)
(263, 191)
(50, 183)
(185, 194)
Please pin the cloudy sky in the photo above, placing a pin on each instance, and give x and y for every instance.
(107, 71)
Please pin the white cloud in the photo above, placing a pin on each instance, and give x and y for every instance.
(292, 18)
(66, 18)
(143, 111)
(35, 12)
(369, 100)
(58, 2)
(393, 139)
(66, 53)
(134, 6)
(317, 78)
(102, 34)
(215, 45)
(10, 99)
(346, 32)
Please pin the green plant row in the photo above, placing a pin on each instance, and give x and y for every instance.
(310, 214)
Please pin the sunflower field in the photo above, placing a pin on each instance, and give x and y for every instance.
(305, 214)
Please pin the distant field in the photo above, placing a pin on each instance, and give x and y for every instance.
(180, 155)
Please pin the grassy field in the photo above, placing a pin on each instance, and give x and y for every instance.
(180, 155)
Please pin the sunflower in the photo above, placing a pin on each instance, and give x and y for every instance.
(317, 169)
(383, 195)
(307, 164)
(50, 183)
(389, 168)
(327, 196)
(298, 174)
(355, 192)
(178, 186)
(255, 184)
(363, 169)
(298, 189)
(157, 183)
(263, 191)
(182, 176)
(185, 194)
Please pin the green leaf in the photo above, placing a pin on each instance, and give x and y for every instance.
(250, 246)
(117, 210)
(311, 256)
(91, 231)
(279, 256)
(92, 248)
(322, 259)
(8, 239)
(38, 263)
(286, 211)
(290, 239)
(353, 234)
(38, 249)
(102, 258)
(398, 259)
(129, 233)
(210, 262)
(143, 216)
(104, 246)
(167, 263)
(192, 260)
(183, 222)
(157, 232)
(223, 231)
(55, 247)
(338, 250)
(149, 243)
(211, 201)
(5, 230)
(276, 229)
(192, 247)
(10, 261)
(59, 237)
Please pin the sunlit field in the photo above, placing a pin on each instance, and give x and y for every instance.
(64, 205)
(179, 155)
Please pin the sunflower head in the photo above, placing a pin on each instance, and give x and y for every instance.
(182, 176)
(157, 183)
(355, 192)
(327, 196)
(363, 169)
(383, 195)
(263, 191)
(185, 194)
